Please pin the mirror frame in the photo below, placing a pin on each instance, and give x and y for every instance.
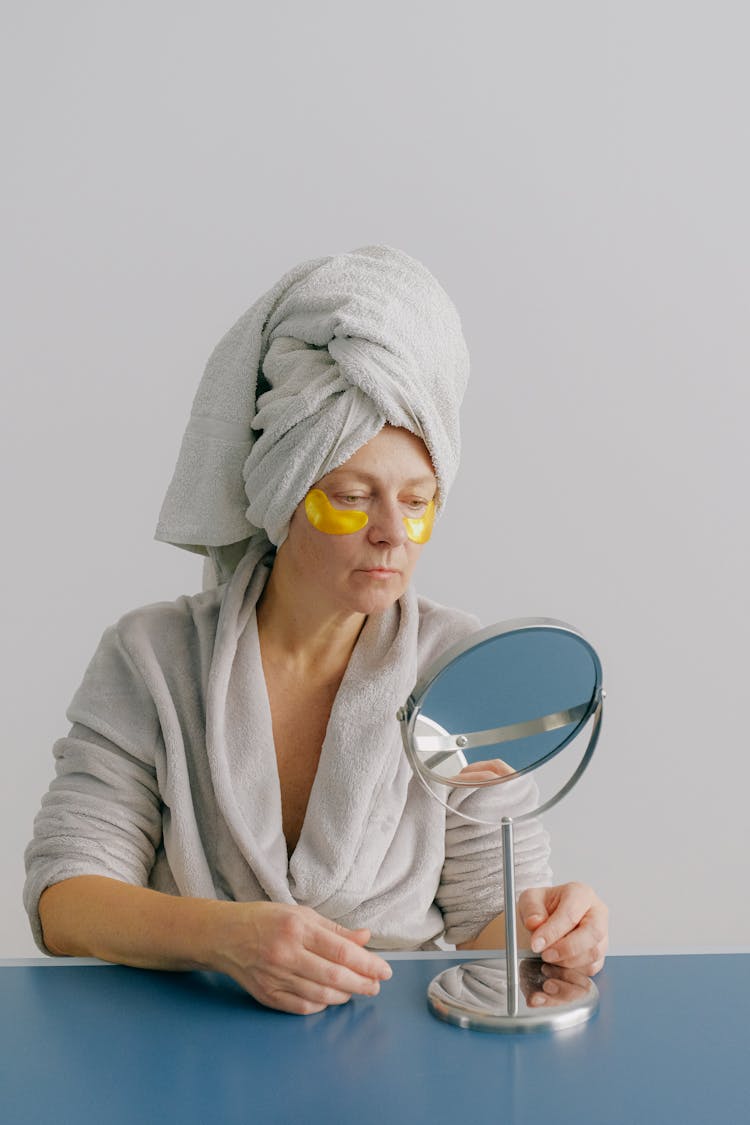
(408, 714)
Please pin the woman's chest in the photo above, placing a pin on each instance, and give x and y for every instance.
(300, 713)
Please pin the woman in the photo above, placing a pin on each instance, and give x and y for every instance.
(232, 794)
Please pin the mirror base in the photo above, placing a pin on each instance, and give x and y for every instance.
(474, 994)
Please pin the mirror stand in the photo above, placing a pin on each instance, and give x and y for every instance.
(491, 995)
(522, 691)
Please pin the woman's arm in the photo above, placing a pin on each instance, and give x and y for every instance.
(287, 957)
(493, 935)
(95, 916)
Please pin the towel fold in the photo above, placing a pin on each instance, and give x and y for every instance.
(337, 348)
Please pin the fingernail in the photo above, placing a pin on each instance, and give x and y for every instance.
(551, 955)
(387, 973)
(537, 944)
(552, 987)
(535, 920)
(537, 1000)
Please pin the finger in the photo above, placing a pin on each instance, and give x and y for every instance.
(340, 951)
(333, 944)
(312, 978)
(585, 947)
(322, 955)
(590, 962)
(473, 773)
(289, 1002)
(478, 775)
(532, 908)
(330, 975)
(358, 937)
(563, 991)
(583, 960)
(560, 972)
(301, 997)
(495, 767)
(575, 900)
(361, 936)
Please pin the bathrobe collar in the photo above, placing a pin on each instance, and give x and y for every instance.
(357, 763)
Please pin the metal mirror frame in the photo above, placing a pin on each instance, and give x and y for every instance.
(517, 1016)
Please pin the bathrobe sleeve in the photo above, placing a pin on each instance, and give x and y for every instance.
(471, 891)
(102, 812)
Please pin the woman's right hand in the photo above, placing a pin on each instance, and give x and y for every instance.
(293, 959)
(287, 957)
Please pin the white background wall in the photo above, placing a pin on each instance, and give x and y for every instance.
(576, 175)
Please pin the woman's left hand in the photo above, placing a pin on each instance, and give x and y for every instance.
(568, 925)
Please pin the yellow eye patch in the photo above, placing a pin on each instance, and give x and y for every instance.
(419, 529)
(335, 521)
(332, 521)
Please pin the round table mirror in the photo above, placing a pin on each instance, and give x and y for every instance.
(507, 701)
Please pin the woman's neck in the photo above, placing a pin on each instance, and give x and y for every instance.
(302, 636)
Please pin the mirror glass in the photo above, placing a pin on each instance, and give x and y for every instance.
(519, 696)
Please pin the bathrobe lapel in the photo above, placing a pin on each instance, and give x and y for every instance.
(239, 736)
(360, 755)
(357, 759)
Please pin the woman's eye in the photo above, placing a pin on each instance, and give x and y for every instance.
(351, 498)
(416, 505)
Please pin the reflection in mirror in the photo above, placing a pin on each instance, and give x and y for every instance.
(479, 989)
(519, 697)
(499, 705)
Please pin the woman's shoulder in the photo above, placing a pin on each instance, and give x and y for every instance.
(153, 651)
(441, 626)
(167, 627)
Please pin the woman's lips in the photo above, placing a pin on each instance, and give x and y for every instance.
(380, 572)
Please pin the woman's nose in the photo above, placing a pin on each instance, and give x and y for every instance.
(386, 524)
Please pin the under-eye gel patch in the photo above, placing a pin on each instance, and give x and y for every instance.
(336, 521)
(419, 528)
(331, 521)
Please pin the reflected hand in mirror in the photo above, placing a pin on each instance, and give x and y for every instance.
(485, 771)
(551, 985)
(484, 985)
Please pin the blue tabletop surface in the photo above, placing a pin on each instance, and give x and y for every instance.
(109, 1044)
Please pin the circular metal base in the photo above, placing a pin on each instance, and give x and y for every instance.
(475, 994)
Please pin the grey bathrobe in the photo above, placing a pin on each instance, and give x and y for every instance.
(168, 779)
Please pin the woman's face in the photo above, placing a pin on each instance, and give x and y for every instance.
(390, 478)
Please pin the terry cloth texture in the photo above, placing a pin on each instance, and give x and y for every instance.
(168, 778)
(338, 347)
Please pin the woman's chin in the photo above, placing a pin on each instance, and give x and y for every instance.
(378, 600)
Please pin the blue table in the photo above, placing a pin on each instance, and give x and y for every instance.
(108, 1044)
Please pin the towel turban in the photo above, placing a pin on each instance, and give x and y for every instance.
(312, 371)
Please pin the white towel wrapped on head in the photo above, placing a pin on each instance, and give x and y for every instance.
(343, 345)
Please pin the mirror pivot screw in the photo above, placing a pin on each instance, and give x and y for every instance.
(462, 740)
(401, 714)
